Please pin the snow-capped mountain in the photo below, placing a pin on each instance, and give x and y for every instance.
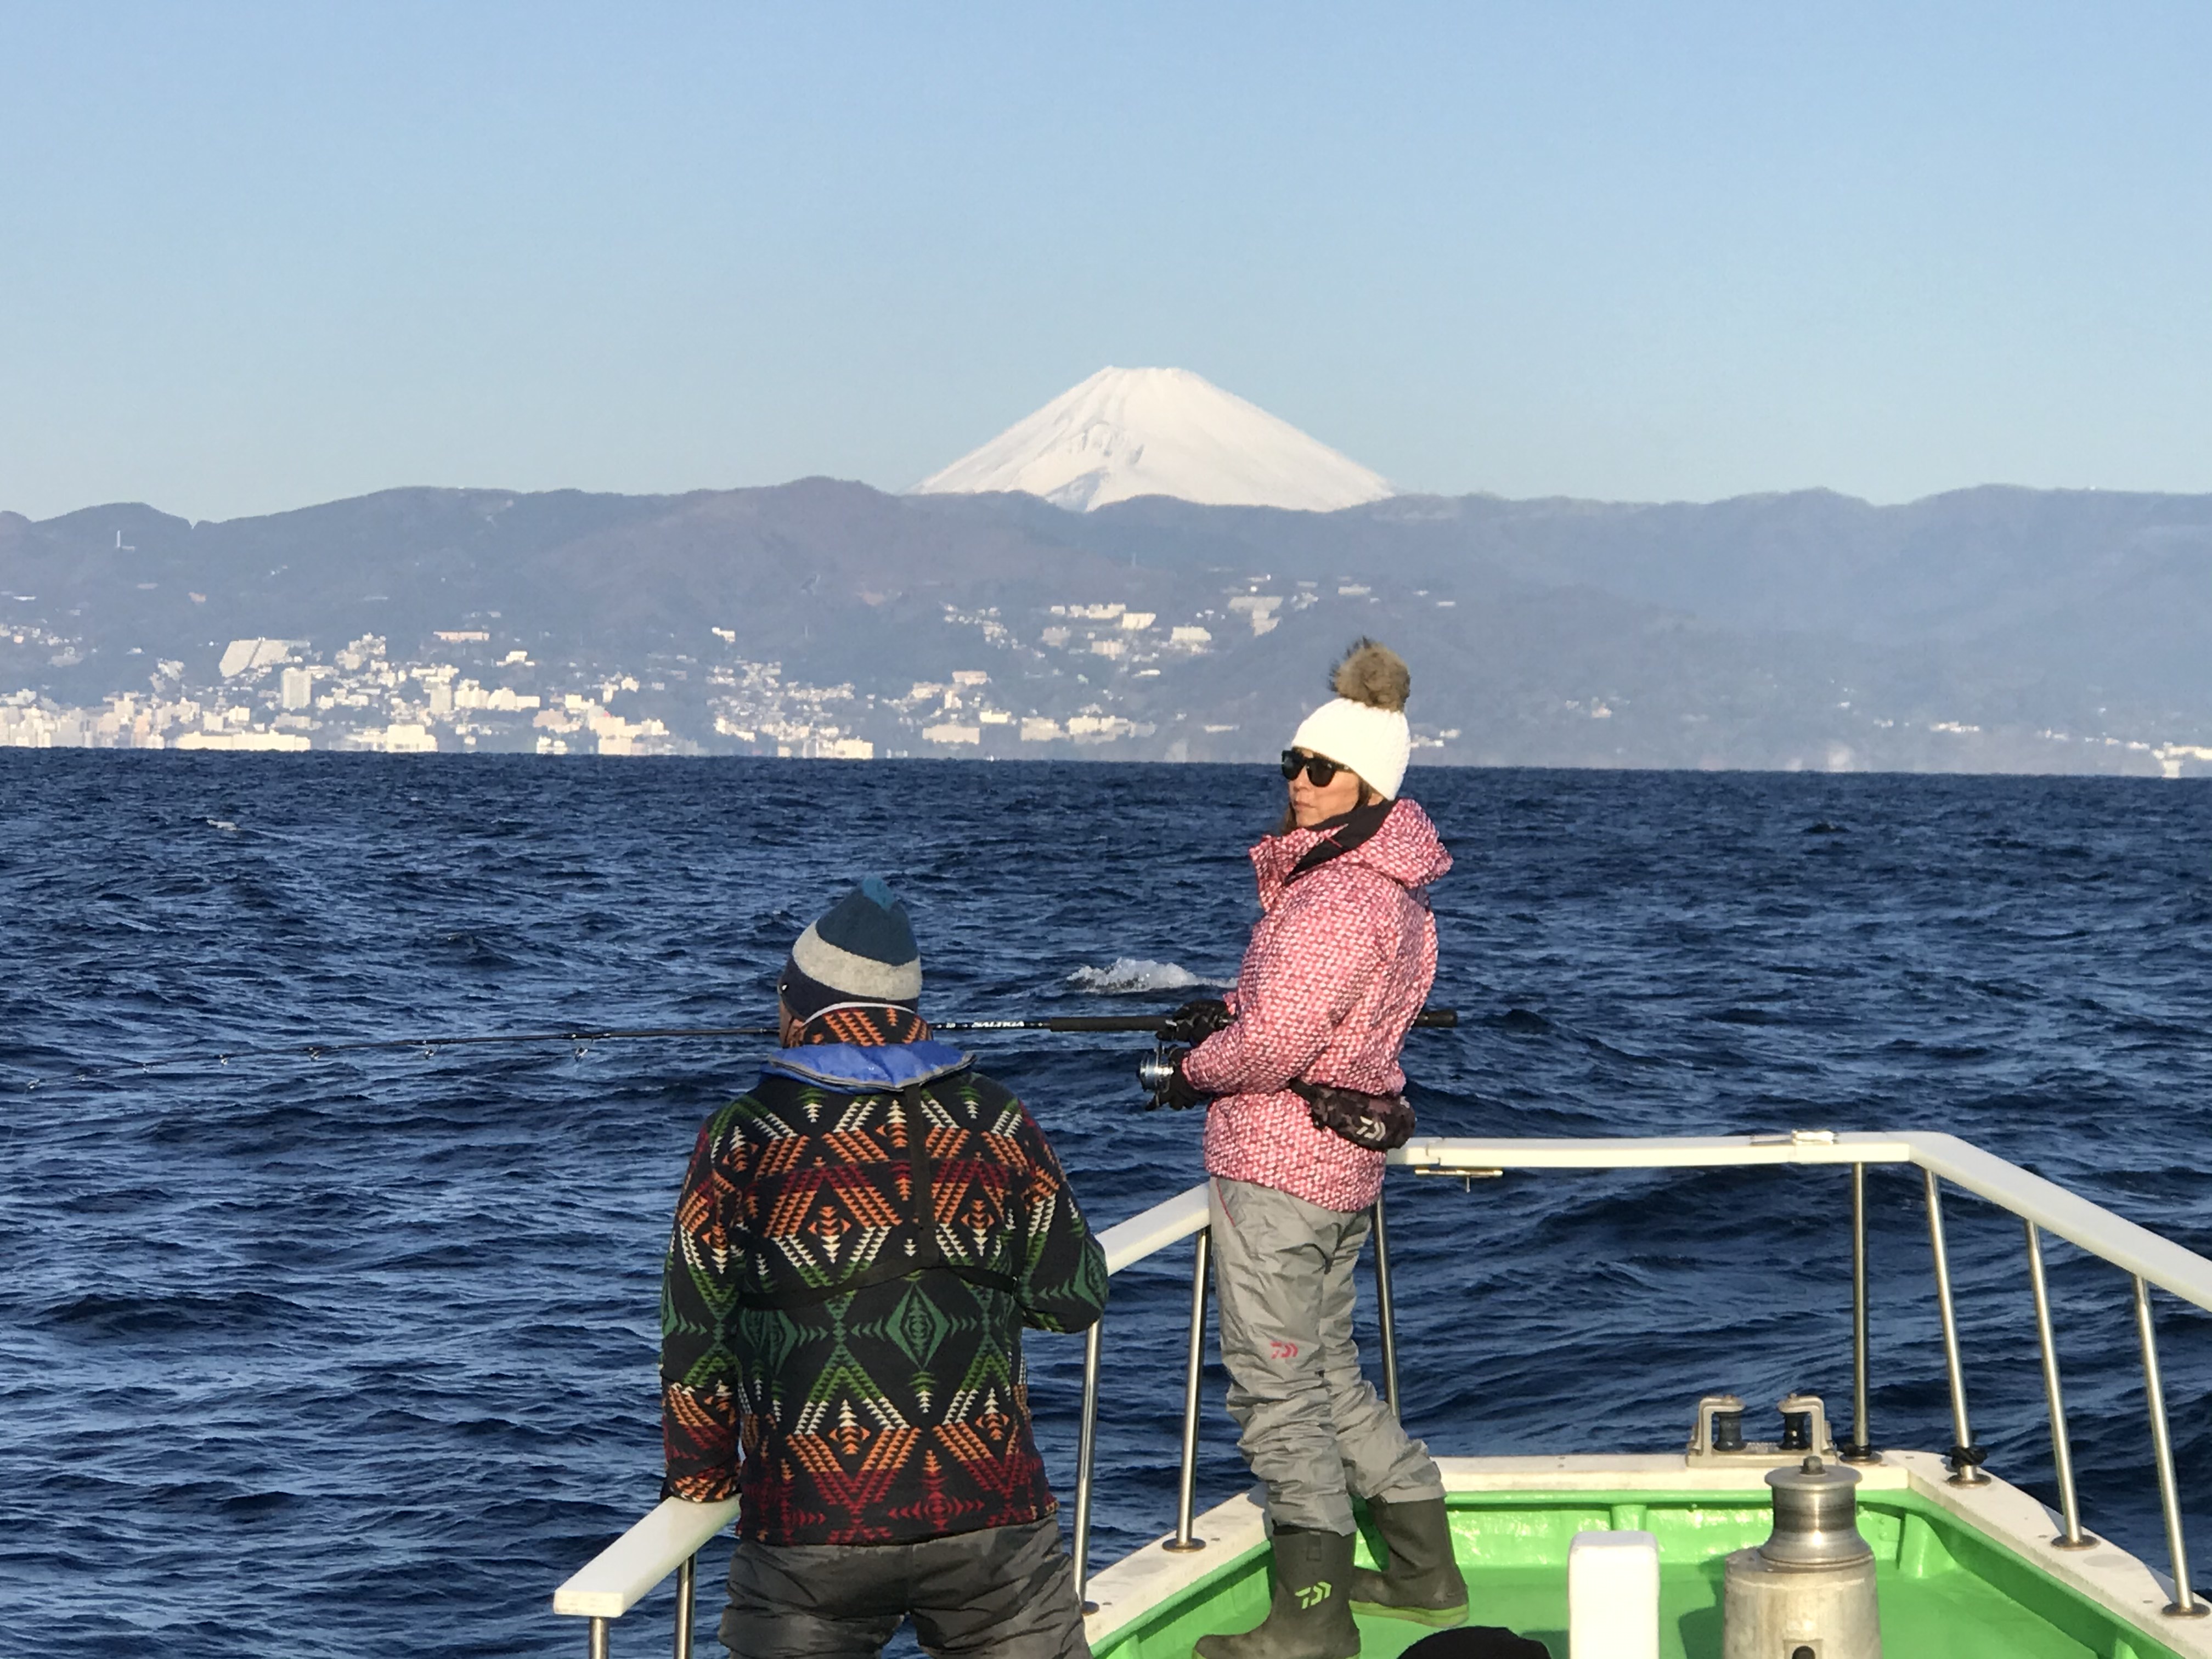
(1127, 432)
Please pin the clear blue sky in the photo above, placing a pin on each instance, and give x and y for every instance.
(256, 256)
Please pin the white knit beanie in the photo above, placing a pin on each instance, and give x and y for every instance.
(1363, 726)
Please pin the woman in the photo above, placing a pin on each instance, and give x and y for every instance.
(1339, 964)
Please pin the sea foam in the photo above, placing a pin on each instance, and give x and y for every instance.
(1132, 975)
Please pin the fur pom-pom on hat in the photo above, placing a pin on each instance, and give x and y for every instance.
(1373, 674)
(1363, 726)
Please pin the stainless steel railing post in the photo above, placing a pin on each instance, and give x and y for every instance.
(2185, 1604)
(1086, 1448)
(687, 1579)
(1861, 1451)
(598, 1638)
(2061, 1444)
(1385, 1313)
(1965, 1455)
(1194, 1363)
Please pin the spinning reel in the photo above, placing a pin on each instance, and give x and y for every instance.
(1155, 1073)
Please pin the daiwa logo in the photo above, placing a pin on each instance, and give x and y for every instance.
(1313, 1595)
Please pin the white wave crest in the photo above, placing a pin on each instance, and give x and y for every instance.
(1132, 975)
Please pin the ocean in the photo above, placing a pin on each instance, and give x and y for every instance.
(357, 1356)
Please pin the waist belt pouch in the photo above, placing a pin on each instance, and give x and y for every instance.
(1377, 1122)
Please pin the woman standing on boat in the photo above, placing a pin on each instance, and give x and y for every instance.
(1302, 1072)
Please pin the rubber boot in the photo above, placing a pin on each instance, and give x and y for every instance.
(1310, 1615)
(1423, 1582)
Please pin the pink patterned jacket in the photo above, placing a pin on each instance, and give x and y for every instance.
(1340, 963)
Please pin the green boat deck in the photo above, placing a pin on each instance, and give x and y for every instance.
(1948, 1590)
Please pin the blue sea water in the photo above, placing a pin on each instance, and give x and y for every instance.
(356, 1357)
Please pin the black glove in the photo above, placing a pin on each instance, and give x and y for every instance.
(1181, 1094)
(1196, 1021)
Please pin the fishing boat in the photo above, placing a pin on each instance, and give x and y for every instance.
(1952, 1560)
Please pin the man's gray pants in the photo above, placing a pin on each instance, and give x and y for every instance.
(1315, 1429)
(999, 1593)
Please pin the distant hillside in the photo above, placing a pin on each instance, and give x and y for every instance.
(2089, 588)
(1987, 630)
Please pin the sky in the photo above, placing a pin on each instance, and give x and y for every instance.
(256, 256)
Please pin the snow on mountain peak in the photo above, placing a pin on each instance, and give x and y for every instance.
(1127, 432)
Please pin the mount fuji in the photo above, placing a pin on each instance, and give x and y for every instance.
(1127, 432)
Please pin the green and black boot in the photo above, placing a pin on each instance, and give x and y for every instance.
(1422, 1581)
(1310, 1616)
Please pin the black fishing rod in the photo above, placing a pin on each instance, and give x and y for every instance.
(1429, 1019)
(1154, 1025)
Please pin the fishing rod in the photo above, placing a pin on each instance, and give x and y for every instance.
(1429, 1019)
(1154, 1025)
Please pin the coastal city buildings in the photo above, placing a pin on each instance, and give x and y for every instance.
(465, 688)
(1089, 676)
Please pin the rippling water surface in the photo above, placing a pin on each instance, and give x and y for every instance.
(356, 1357)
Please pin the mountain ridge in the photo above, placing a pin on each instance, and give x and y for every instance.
(1799, 627)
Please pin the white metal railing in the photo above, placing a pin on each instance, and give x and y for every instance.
(2049, 1206)
(668, 1540)
(625, 1573)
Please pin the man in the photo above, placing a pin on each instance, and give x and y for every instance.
(859, 1240)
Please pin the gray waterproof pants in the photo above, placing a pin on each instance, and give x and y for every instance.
(1000, 1593)
(1315, 1429)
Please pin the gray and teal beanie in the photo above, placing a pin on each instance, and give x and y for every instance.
(862, 951)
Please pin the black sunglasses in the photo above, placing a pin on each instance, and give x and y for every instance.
(1319, 772)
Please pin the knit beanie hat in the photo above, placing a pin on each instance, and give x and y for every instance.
(1363, 726)
(862, 951)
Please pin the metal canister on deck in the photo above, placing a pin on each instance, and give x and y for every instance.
(1809, 1591)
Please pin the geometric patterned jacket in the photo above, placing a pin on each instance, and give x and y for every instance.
(853, 1373)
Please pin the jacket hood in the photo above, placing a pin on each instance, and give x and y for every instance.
(867, 1068)
(1407, 849)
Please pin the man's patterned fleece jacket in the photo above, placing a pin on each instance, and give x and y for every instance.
(853, 1376)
